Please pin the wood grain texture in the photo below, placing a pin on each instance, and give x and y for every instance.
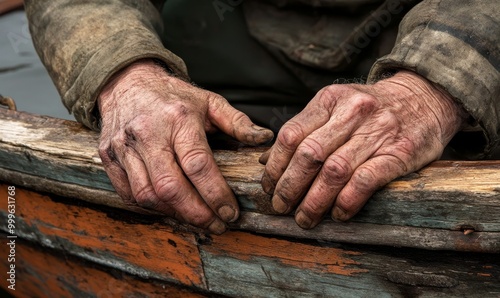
(434, 204)
(111, 252)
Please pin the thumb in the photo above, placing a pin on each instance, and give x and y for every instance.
(235, 123)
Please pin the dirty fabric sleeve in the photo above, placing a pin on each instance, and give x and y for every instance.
(83, 43)
(455, 45)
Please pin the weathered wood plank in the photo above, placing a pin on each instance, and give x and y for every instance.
(261, 266)
(237, 264)
(59, 156)
(374, 234)
(44, 273)
(361, 233)
(93, 236)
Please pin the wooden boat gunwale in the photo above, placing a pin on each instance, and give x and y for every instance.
(454, 205)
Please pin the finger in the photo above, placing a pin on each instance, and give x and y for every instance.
(333, 176)
(264, 157)
(174, 192)
(140, 185)
(289, 138)
(116, 174)
(316, 114)
(235, 123)
(365, 181)
(313, 151)
(197, 161)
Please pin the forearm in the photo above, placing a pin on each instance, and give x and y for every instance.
(84, 43)
(454, 44)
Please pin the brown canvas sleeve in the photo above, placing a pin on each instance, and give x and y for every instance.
(454, 43)
(83, 43)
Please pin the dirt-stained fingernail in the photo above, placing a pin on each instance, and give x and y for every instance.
(267, 185)
(217, 227)
(339, 214)
(303, 220)
(278, 205)
(265, 135)
(264, 157)
(227, 213)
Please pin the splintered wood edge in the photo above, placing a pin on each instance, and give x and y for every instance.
(469, 190)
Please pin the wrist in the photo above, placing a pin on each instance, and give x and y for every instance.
(125, 80)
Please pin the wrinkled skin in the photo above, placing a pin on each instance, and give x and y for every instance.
(351, 140)
(153, 145)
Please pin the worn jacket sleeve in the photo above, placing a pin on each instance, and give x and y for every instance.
(454, 43)
(83, 43)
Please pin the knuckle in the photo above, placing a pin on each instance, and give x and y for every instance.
(407, 146)
(387, 121)
(176, 111)
(364, 103)
(366, 179)
(239, 118)
(138, 128)
(106, 153)
(328, 95)
(347, 204)
(285, 189)
(201, 220)
(315, 206)
(312, 152)
(169, 188)
(290, 135)
(336, 170)
(146, 197)
(117, 142)
(196, 163)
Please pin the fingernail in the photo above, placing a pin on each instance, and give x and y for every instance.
(217, 227)
(339, 214)
(278, 205)
(227, 213)
(265, 135)
(264, 157)
(303, 220)
(267, 185)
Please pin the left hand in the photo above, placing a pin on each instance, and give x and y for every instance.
(351, 140)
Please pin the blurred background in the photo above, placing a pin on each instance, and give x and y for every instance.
(22, 75)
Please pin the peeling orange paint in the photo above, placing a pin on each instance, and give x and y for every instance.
(320, 259)
(154, 247)
(42, 274)
(484, 274)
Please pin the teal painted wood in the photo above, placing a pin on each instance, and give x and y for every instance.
(390, 273)
(243, 264)
(441, 210)
(66, 171)
(64, 152)
(437, 209)
(265, 277)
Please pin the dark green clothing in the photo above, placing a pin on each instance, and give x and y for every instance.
(453, 43)
(222, 56)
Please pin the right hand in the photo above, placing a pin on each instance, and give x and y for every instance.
(154, 148)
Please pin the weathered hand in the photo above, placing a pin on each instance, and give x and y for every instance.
(154, 148)
(351, 140)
